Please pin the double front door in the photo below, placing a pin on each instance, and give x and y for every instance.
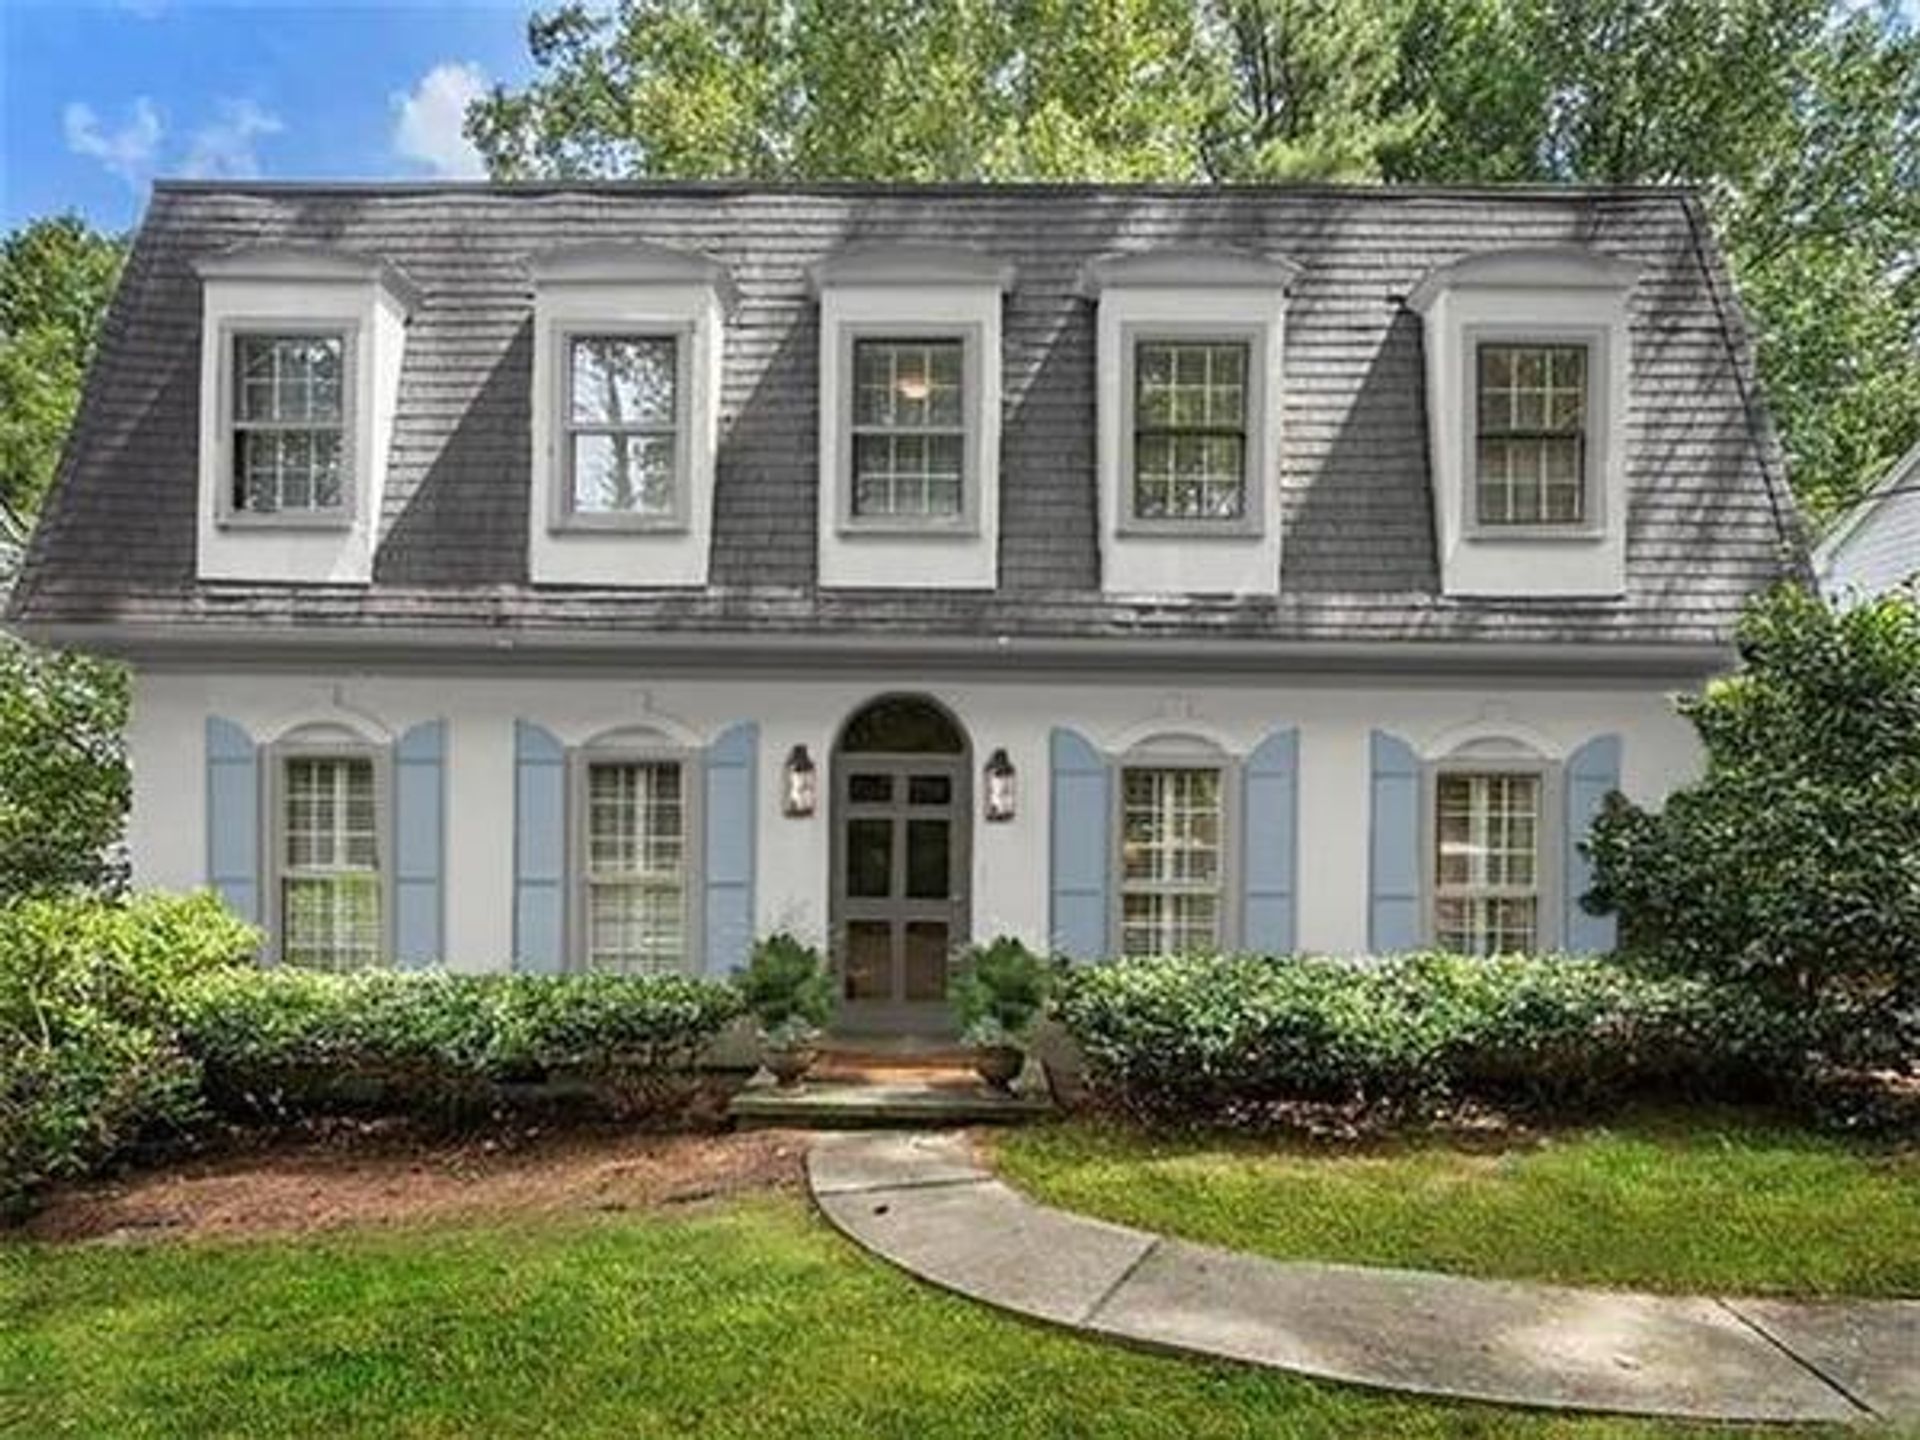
(900, 886)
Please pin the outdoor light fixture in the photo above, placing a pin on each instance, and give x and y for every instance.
(803, 783)
(999, 776)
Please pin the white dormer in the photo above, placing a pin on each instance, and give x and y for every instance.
(910, 416)
(626, 414)
(1527, 388)
(299, 375)
(1191, 355)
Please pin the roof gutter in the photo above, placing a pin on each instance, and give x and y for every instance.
(202, 647)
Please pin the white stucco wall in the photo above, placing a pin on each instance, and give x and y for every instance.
(1010, 861)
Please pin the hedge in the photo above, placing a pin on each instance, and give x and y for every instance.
(125, 1021)
(1206, 1036)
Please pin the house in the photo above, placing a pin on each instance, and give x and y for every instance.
(1874, 547)
(600, 575)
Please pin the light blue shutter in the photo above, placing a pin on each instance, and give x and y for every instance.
(1081, 858)
(539, 848)
(419, 844)
(1270, 791)
(1393, 846)
(732, 764)
(233, 817)
(1592, 771)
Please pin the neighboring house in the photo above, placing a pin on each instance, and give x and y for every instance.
(1875, 546)
(567, 576)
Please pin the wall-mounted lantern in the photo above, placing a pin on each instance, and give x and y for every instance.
(803, 783)
(1000, 777)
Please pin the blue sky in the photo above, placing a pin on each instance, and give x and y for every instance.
(97, 97)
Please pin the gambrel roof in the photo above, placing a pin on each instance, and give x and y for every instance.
(1710, 518)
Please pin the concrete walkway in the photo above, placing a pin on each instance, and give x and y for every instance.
(923, 1201)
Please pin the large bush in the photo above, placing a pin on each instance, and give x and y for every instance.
(1793, 864)
(89, 1063)
(1205, 1036)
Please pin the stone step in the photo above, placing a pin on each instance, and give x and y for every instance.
(871, 1104)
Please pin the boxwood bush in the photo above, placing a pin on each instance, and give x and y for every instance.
(1206, 1036)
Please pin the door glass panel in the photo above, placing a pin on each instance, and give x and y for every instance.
(868, 974)
(869, 859)
(928, 874)
(870, 789)
(926, 960)
(930, 790)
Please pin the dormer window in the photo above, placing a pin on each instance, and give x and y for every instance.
(1532, 408)
(623, 423)
(1190, 430)
(909, 450)
(289, 431)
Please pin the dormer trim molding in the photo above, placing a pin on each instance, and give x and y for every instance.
(1183, 267)
(631, 262)
(910, 263)
(311, 264)
(1540, 267)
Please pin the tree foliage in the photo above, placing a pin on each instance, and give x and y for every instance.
(1793, 863)
(1798, 120)
(63, 773)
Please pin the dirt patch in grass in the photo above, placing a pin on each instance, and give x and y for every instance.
(369, 1176)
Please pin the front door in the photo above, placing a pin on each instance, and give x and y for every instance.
(900, 887)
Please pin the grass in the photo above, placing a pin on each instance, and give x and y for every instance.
(746, 1320)
(1713, 1202)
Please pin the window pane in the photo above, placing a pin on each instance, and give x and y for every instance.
(634, 928)
(1190, 384)
(928, 873)
(623, 474)
(870, 789)
(1169, 924)
(1189, 477)
(908, 475)
(869, 859)
(1487, 865)
(908, 384)
(926, 957)
(331, 922)
(930, 790)
(287, 471)
(634, 821)
(296, 378)
(621, 380)
(868, 971)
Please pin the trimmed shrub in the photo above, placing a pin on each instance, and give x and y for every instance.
(1001, 990)
(1203, 1036)
(89, 1063)
(279, 1041)
(786, 988)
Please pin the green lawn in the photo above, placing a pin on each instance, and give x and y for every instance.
(750, 1320)
(1713, 1202)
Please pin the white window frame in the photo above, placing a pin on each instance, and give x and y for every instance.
(228, 512)
(967, 520)
(1499, 757)
(1595, 433)
(630, 750)
(1251, 519)
(321, 746)
(562, 514)
(1172, 753)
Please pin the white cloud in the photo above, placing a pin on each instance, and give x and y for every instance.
(428, 120)
(224, 148)
(129, 151)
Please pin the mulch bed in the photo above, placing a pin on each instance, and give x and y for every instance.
(356, 1174)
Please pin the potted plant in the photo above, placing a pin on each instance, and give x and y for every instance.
(1001, 992)
(787, 990)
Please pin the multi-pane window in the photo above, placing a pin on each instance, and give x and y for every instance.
(1532, 435)
(622, 425)
(1190, 430)
(635, 872)
(289, 430)
(909, 429)
(1487, 869)
(330, 887)
(1170, 861)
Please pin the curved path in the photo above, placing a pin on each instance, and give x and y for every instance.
(924, 1202)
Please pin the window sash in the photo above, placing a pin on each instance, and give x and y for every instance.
(1531, 422)
(634, 866)
(331, 891)
(641, 499)
(931, 492)
(1186, 494)
(1172, 887)
(1495, 907)
(259, 491)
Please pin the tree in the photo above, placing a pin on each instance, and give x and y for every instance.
(56, 277)
(1793, 863)
(1798, 120)
(63, 773)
